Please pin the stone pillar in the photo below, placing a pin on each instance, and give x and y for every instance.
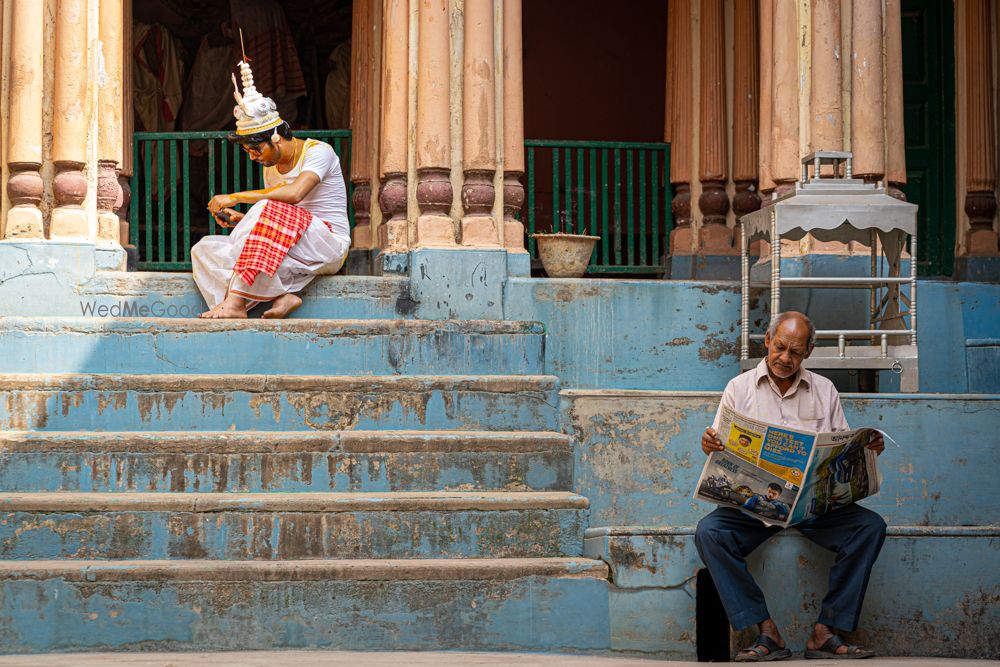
(785, 97)
(895, 140)
(826, 109)
(24, 130)
(70, 121)
(361, 236)
(764, 26)
(513, 127)
(479, 154)
(980, 132)
(110, 196)
(746, 97)
(867, 93)
(395, 125)
(715, 237)
(434, 190)
(680, 103)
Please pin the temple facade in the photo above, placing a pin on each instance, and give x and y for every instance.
(437, 115)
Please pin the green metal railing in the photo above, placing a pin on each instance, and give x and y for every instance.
(616, 190)
(176, 173)
(619, 191)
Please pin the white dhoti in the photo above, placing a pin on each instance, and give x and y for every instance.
(213, 258)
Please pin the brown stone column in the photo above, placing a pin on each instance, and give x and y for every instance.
(826, 109)
(434, 190)
(715, 237)
(867, 91)
(110, 196)
(395, 125)
(764, 27)
(513, 126)
(70, 121)
(360, 170)
(24, 129)
(785, 97)
(746, 97)
(479, 154)
(980, 132)
(679, 58)
(895, 140)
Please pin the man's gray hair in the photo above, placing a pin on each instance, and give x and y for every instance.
(772, 329)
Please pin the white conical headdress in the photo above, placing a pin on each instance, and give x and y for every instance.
(254, 112)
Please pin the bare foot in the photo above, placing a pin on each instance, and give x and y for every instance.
(282, 307)
(208, 313)
(232, 308)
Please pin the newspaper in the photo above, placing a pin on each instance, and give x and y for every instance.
(784, 476)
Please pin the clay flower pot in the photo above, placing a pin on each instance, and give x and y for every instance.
(565, 255)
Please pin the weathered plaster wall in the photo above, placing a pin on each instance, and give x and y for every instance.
(637, 461)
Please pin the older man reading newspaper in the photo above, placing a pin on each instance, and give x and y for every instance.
(780, 391)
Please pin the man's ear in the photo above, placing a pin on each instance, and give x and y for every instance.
(809, 351)
(767, 339)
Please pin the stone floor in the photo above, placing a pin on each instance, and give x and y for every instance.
(349, 658)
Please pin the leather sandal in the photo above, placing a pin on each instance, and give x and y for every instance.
(828, 651)
(763, 649)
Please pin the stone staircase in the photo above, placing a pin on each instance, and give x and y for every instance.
(177, 484)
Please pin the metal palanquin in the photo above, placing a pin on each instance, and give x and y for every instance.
(841, 208)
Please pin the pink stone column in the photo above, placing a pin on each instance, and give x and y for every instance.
(360, 170)
(980, 132)
(895, 139)
(513, 126)
(765, 25)
(681, 123)
(746, 109)
(434, 189)
(70, 120)
(110, 196)
(826, 109)
(785, 97)
(479, 154)
(867, 91)
(715, 237)
(24, 127)
(395, 125)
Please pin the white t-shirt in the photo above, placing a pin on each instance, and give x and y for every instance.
(328, 200)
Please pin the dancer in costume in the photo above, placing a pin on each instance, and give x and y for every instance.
(297, 225)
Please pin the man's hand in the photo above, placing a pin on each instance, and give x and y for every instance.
(234, 218)
(710, 441)
(220, 202)
(877, 443)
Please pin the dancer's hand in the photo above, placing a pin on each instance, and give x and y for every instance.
(220, 202)
(234, 218)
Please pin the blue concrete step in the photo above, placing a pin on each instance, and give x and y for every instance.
(372, 461)
(286, 347)
(266, 526)
(80, 402)
(176, 295)
(501, 605)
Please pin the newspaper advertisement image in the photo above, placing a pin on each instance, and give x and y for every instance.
(784, 476)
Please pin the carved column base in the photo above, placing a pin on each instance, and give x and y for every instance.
(361, 235)
(434, 195)
(682, 235)
(24, 188)
(745, 201)
(479, 229)
(109, 198)
(69, 189)
(392, 234)
(513, 202)
(981, 239)
(714, 237)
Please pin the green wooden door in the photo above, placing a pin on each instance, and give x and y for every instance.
(929, 113)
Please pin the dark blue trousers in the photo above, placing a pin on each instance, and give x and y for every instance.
(727, 536)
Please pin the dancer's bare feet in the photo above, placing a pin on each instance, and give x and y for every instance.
(282, 307)
(233, 307)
